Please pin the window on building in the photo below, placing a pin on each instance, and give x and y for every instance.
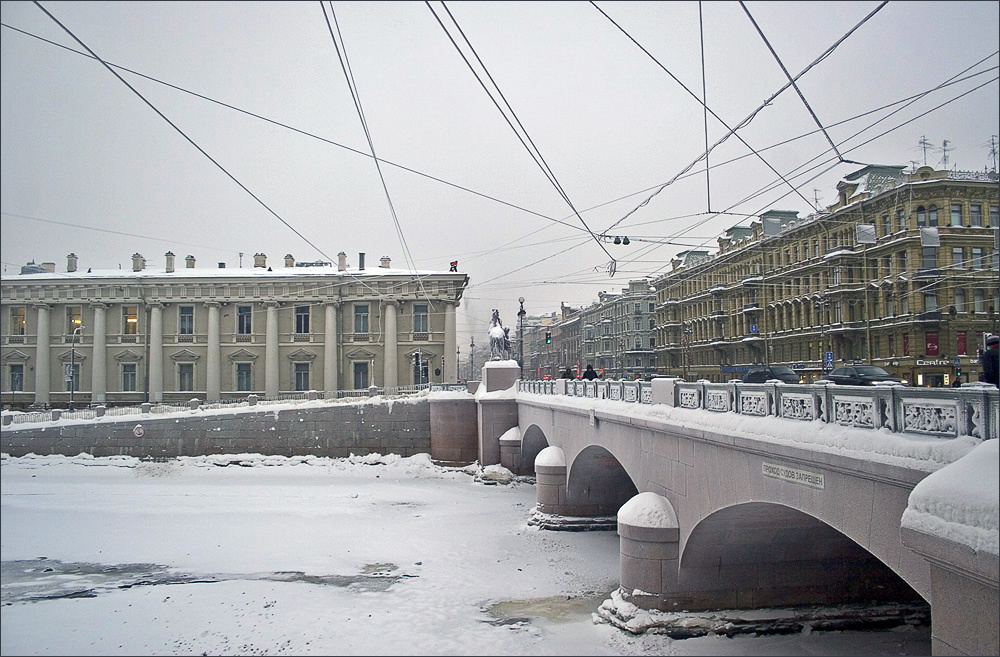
(906, 344)
(420, 318)
(73, 381)
(976, 215)
(74, 318)
(185, 377)
(16, 377)
(960, 300)
(956, 214)
(652, 324)
(185, 324)
(652, 307)
(930, 300)
(921, 217)
(932, 215)
(243, 382)
(994, 216)
(17, 323)
(928, 256)
(892, 345)
(979, 300)
(360, 375)
(301, 319)
(876, 347)
(361, 318)
(961, 346)
(128, 377)
(244, 320)
(978, 257)
(900, 220)
(301, 377)
(904, 302)
(887, 265)
(958, 257)
(130, 320)
(902, 262)
(886, 230)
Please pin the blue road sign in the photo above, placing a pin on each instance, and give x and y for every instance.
(753, 328)
(828, 360)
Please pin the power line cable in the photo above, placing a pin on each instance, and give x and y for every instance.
(181, 132)
(539, 159)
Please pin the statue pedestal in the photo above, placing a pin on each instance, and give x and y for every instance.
(500, 374)
(497, 413)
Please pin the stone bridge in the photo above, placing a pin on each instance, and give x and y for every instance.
(746, 496)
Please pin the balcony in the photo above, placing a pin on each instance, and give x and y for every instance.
(672, 301)
(752, 280)
(717, 314)
(930, 318)
(751, 307)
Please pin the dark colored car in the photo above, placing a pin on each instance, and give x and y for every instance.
(780, 372)
(861, 375)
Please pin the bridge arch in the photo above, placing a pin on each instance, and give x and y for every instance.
(598, 484)
(533, 441)
(759, 554)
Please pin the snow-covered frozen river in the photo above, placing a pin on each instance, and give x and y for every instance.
(361, 556)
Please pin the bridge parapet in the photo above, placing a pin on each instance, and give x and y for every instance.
(971, 410)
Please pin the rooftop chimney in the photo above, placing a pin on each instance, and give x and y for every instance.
(138, 262)
(169, 255)
(341, 261)
(361, 262)
(50, 267)
(189, 262)
(259, 260)
(289, 260)
(384, 262)
(71, 262)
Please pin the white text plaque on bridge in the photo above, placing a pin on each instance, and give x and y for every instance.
(813, 479)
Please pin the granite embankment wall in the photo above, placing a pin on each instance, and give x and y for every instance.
(335, 430)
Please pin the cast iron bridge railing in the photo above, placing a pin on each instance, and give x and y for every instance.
(971, 410)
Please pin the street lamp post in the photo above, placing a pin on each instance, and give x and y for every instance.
(72, 366)
(520, 340)
(472, 359)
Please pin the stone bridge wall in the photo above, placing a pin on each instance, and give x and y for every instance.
(336, 430)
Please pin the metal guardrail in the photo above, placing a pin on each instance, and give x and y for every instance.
(973, 409)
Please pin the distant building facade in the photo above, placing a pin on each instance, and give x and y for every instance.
(901, 272)
(171, 334)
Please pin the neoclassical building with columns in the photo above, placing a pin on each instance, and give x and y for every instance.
(175, 333)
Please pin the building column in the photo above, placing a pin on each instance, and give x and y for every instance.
(390, 359)
(43, 356)
(213, 360)
(155, 365)
(450, 343)
(99, 384)
(271, 372)
(330, 348)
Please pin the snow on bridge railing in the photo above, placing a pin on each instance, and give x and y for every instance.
(972, 409)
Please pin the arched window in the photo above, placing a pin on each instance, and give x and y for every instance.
(932, 216)
(921, 217)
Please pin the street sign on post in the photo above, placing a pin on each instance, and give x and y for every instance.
(828, 361)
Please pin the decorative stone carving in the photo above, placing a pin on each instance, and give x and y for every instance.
(797, 407)
(937, 419)
(717, 400)
(753, 403)
(689, 399)
(854, 412)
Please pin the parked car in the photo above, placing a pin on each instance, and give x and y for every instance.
(782, 373)
(862, 375)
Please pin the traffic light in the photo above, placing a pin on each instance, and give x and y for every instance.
(548, 337)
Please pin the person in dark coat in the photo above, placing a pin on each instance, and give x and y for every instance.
(590, 374)
(989, 361)
(568, 374)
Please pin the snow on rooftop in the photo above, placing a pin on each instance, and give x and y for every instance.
(216, 272)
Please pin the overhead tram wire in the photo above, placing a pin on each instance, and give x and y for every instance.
(345, 65)
(744, 122)
(293, 129)
(536, 154)
(181, 132)
(794, 85)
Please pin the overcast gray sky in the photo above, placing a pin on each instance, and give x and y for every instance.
(607, 93)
